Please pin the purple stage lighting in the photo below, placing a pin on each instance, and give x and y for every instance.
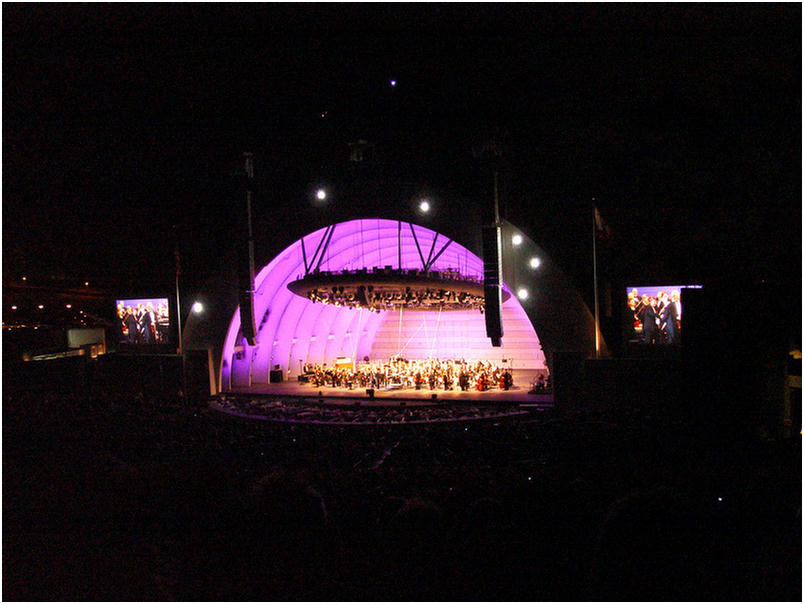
(295, 322)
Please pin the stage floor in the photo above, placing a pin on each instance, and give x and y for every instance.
(518, 394)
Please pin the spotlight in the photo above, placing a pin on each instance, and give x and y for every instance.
(535, 262)
(392, 83)
(321, 195)
(522, 293)
(424, 206)
(40, 307)
(198, 308)
(516, 239)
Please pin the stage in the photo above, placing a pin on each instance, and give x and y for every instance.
(518, 394)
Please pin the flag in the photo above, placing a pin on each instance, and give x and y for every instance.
(178, 261)
(603, 231)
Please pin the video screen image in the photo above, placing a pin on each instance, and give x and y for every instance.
(143, 320)
(654, 313)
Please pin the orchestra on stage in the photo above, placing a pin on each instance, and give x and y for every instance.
(398, 373)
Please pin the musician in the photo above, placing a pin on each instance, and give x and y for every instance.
(148, 323)
(669, 316)
(132, 325)
(647, 315)
(507, 380)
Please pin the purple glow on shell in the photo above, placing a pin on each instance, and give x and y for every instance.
(301, 329)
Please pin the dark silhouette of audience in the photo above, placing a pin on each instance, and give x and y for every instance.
(140, 496)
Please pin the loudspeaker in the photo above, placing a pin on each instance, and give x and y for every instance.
(247, 317)
(492, 270)
(245, 260)
(245, 278)
(276, 376)
(370, 392)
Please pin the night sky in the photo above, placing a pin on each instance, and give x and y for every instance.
(123, 124)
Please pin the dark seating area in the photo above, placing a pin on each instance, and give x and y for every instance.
(144, 497)
(280, 410)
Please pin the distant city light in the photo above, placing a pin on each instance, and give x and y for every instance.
(321, 194)
(535, 262)
(522, 293)
(198, 308)
(424, 206)
(516, 239)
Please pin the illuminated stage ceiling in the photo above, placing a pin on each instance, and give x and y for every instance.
(292, 329)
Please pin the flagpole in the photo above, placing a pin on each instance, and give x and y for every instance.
(178, 300)
(594, 270)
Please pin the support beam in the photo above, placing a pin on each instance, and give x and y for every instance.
(416, 239)
(441, 251)
(324, 249)
(304, 257)
(318, 249)
(430, 254)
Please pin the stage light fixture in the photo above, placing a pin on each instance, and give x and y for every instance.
(68, 306)
(13, 308)
(320, 194)
(424, 206)
(41, 306)
(522, 293)
(535, 262)
(198, 308)
(516, 239)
